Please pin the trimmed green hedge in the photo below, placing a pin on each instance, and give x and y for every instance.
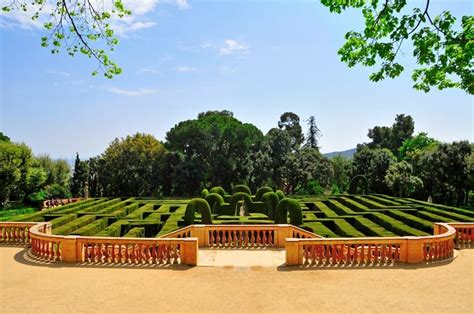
(343, 228)
(241, 197)
(137, 232)
(215, 202)
(280, 194)
(292, 207)
(355, 206)
(450, 215)
(219, 190)
(241, 188)
(261, 191)
(271, 201)
(320, 229)
(114, 230)
(92, 228)
(340, 209)
(395, 226)
(328, 212)
(200, 205)
(74, 225)
(204, 193)
(138, 213)
(411, 220)
(367, 202)
(382, 201)
(57, 222)
(369, 228)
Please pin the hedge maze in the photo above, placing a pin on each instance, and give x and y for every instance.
(335, 216)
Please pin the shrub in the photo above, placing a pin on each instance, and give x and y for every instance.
(240, 196)
(280, 194)
(204, 193)
(411, 220)
(395, 226)
(114, 230)
(219, 190)
(200, 205)
(137, 232)
(241, 188)
(215, 201)
(293, 207)
(74, 225)
(92, 228)
(57, 222)
(271, 201)
(261, 191)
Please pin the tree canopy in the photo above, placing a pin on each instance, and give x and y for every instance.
(442, 44)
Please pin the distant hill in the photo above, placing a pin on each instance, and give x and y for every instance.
(346, 153)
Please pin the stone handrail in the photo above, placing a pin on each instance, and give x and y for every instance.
(374, 250)
(162, 251)
(15, 232)
(58, 202)
(241, 236)
(464, 233)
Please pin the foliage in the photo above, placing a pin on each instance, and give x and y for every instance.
(392, 137)
(373, 164)
(218, 190)
(342, 169)
(271, 201)
(79, 177)
(280, 152)
(237, 197)
(292, 207)
(280, 194)
(241, 188)
(261, 191)
(308, 165)
(78, 27)
(442, 47)
(14, 164)
(200, 205)
(204, 193)
(290, 122)
(313, 134)
(215, 201)
(400, 179)
(4, 138)
(416, 144)
(129, 166)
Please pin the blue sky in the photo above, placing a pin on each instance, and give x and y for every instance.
(255, 58)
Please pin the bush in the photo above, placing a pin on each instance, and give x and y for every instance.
(74, 225)
(271, 201)
(200, 205)
(215, 202)
(261, 191)
(240, 196)
(219, 190)
(57, 222)
(204, 193)
(241, 188)
(92, 228)
(293, 207)
(280, 194)
(137, 232)
(114, 230)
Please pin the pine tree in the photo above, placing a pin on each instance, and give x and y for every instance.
(313, 134)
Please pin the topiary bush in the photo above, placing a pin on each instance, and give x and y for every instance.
(202, 206)
(261, 191)
(241, 188)
(204, 193)
(240, 196)
(280, 194)
(219, 190)
(271, 201)
(293, 207)
(215, 201)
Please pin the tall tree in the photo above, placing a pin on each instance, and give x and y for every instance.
(313, 134)
(342, 169)
(14, 164)
(290, 122)
(4, 138)
(392, 137)
(280, 152)
(79, 177)
(442, 44)
(400, 179)
(418, 143)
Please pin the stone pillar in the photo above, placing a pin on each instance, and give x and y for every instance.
(68, 249)
(189, 253)
(294, 256)
(415, 253)
(199, 231)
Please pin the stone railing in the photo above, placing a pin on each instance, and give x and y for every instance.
(379, 251)
(464, 234)
(15, 232)
(161, 251)
(241, 236)
(58, 202)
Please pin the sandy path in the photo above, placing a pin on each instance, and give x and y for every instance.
(69, 289)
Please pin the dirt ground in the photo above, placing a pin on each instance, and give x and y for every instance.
(61, 288)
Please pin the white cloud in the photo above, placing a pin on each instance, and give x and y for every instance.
(59, 73)
(182, 4)
(233, 46)
(131, 93)
(206, 45)
(184, 68)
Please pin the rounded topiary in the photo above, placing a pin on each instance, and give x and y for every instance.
(280, 194)
(204, 193)
(219, 190)
(239, 197)
(261, 191)
(293, 207)
(271, 201)
(202, 206)
(241, 188)
(215, 201)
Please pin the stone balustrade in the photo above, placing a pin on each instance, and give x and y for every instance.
(380, 251)
(15, 232)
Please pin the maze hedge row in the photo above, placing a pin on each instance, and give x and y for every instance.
(336, 216)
